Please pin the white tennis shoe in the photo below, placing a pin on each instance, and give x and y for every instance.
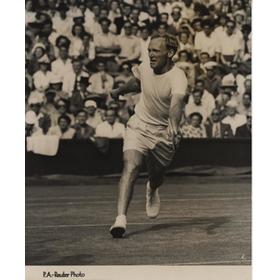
(118, 228)
(152, 202)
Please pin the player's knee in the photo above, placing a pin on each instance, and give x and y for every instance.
(131, 167)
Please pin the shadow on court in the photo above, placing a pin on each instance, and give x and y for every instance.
(210, 224)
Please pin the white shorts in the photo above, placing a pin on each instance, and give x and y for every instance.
(150, 140)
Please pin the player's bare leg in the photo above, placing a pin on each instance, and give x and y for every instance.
(156, 175)
(132, 164)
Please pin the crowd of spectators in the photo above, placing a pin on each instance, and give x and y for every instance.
(77, 51)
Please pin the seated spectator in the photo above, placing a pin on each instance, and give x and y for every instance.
(245, 106)
(221, 101)
(176, 16)
(129, 45)
(82, 129)
(230, 44)
(43, 76)
(236, 77)
(200, 66)
(215, 128)
(206, 41)
(125, 73)
(104, 13)
(184, 63)
(197, 106)
(88, 50)
(62, 109)
(94, 115)
(245, 130)
(73, 9)
(207, 98)
(59, 42)
(134, 17)
(44, 123)
(63, 129)
(76, 47)
(43, 38)
(212, 79)
(114, 11)
(195, 129)
(233, 118)
(110, 128)
(61, 23)
(49, 107)
(30, 120)
(184, 42)
(101, 82)
(62, 64)
(35, 104)
(71, 80)
(164, 7)
(248, 85)
(126, 10)
(106, 44)
(144, 43)
(188, 11)
(229, 84)
(152, 18)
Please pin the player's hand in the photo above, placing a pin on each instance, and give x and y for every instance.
(174, 136)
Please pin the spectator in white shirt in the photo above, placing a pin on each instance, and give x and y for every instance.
(110, 128)
(101, 82)
(230, 44)
(88, 50)
(164, 7)
(245, 106)
(73, 9)
(144, 43)
(61, 23)
(43, 76)
(129, 44)
(63, 129)
(233, 118)
(72, 78)
(207, 98)
(197, 105)
(94, 116)
(106, 45)
(62, 64)
(206, 41)
(76, 46)
(236, 77)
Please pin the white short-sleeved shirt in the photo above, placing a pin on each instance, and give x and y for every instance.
(156, 93)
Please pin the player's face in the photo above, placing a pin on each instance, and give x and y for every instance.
(158, 53)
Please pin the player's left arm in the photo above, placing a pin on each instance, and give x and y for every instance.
(175, 113)
(178, 94)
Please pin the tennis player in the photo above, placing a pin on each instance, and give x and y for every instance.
(153, 131)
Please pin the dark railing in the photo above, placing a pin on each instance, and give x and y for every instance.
(87, 158)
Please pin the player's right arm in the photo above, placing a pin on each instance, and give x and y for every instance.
(133, 85)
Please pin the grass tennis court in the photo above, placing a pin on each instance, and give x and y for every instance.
(203, 220)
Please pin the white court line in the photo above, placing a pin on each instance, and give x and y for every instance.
(136, 201)
(131, 224)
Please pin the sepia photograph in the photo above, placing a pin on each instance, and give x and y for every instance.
(138, 128)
